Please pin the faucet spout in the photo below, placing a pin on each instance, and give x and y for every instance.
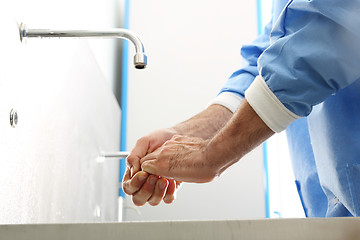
(140, 58)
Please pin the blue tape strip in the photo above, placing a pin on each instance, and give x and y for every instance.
(266, 179)
(260, 30)
(124, 95)
(259, 14)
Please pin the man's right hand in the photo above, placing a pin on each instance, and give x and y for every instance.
(142, 186)
(149, 188)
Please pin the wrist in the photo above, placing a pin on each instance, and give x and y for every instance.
(220, 155)
(208, 163)
(205, 124)
(243, 132)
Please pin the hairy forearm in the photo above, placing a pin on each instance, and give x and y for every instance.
(191, 159)
(205, 124)
(241, 134)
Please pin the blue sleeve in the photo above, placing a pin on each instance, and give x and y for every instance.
(314, 52)
(240, 80)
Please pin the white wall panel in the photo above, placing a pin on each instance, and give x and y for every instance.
(50, 170)
(192, 48)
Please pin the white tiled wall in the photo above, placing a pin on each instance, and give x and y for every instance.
(192, 47)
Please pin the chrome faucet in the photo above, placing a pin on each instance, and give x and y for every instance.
(140, 58)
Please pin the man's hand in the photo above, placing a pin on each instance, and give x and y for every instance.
(181, 158)
(149, 188)
(138, 183)
(142, 186)
(192, 159)
(146, 145)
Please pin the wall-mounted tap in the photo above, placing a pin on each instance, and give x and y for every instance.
(140, 58)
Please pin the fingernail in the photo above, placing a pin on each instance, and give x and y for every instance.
(152, 180)
(131, 172)
(162, 185)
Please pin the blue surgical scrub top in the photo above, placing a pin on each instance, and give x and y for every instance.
(309, 58)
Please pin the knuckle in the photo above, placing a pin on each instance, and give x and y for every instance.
(125, 189)
(139, 181)
(130, 160)
(165, 150)
(176, 138)
(136, 185)
(142, 161)
(162, 150)
(142, 140)
(168, 142)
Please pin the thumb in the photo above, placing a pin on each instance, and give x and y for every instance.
(156, 168)
(150, 167)
(139, 151)
(150, 163)
(133, 163)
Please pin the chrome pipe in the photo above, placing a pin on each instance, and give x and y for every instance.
(115, 154)
(140, 58)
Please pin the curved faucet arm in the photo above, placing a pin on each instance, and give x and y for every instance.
(140, 58)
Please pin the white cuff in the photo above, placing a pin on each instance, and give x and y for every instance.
(269, 108)
(227, 99)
